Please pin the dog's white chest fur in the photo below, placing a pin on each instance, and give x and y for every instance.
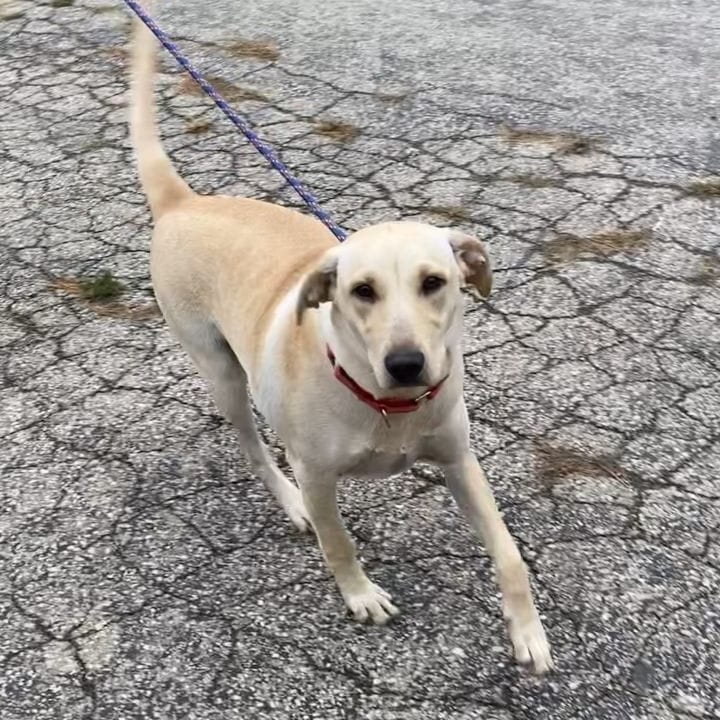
(382, 456)
(375, 463)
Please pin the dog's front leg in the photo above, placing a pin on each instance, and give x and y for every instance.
(363, 598)
(469, 486)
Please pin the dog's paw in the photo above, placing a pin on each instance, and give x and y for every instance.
(528, 637)
(294, 507)
(300, 519)
(367, 601)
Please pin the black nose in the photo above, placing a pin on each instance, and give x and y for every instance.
(405, 366)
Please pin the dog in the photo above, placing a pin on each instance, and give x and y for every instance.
(351, 352)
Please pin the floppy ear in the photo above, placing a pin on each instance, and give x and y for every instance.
(473, 261)
(318, 285)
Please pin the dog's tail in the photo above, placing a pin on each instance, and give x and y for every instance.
(160, 181)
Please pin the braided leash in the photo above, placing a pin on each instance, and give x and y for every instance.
(239, 122)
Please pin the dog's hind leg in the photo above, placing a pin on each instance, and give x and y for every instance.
(218, 364)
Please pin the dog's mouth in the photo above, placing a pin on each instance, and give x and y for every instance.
(404, 375)
(408, 388)
(389, 385)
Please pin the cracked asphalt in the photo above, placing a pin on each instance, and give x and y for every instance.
(145, 574)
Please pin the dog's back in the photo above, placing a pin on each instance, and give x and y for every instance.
(227, 261)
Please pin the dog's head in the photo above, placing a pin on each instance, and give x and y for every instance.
(396, 300)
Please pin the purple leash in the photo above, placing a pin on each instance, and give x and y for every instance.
(239, 122)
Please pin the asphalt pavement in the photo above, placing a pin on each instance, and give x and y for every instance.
(146, 575)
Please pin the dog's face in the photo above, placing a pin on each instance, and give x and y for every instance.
(396, 300)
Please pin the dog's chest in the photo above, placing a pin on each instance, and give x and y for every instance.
(381, 459)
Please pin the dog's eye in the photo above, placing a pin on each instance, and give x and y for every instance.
(364, 292)
(431, 284)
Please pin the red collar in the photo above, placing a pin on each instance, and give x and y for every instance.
(386, 405)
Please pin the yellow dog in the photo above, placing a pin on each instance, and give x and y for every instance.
(352, 353)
